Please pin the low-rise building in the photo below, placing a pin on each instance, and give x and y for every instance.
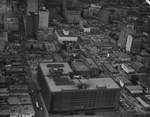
(143, 57)
(86, 28)
(138, 66)
(65, 67)
(80, 68)
(127, 68)
(123, 81)
(23, 100)
(144, 102)
(123, 56)
(22, 110)
(65, 35)
(12, 24)
(92, 66)
(111, 69)
(18, 89)
(58, 58)
(50, 47)
(134, 89)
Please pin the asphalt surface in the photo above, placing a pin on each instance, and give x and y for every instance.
(40, 110)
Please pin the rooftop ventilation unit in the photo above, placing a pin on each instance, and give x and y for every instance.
(65, 31)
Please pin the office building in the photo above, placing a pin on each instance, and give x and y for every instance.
(134, 44)
(11, 24)
(127, 29)
(43, 18)
(32, 24)
(80, 68)
(103, 15)
(65, 35)
(62, 94)
(68, 4)
(72, 15)
(32, 6)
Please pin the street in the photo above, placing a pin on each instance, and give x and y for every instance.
(40, 110)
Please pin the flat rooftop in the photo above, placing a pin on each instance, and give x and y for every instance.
(94, 83)
(61, 34)
(62, 65)
(91, 62)
(122, 55)
(80, 66)
(104, 44)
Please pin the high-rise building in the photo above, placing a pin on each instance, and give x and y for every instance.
(63, 94)
(72, 15)
(103, 15)
(134, 44)
(43, 18)
(32, 6)
(125, 31)
(68, 4)
(32, 24)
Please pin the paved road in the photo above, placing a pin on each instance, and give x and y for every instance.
(41, 110)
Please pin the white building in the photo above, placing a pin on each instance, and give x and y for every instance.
(86, 28)
(65, 35)
(127, 68)
(129, 43)
(43, 18)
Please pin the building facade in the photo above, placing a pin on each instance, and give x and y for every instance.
(62, 94)
(43, 18)
(32, 6)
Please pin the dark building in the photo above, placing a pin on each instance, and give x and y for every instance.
(103, 15)
(32, 24)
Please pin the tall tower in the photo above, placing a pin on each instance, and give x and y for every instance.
(43, 18)
(103, 15)
(32, 6)
(127, 30)
(68, 4)
(134, 43)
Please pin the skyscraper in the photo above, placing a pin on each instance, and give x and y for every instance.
(125, 31)
(43, 18)
(103, 15)
(32, 6)
(133, 44)
(68, 4)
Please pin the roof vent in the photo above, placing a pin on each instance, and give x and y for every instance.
(66, 31)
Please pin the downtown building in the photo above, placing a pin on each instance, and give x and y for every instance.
(63, 94)
(126, 29)
(32, 6)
